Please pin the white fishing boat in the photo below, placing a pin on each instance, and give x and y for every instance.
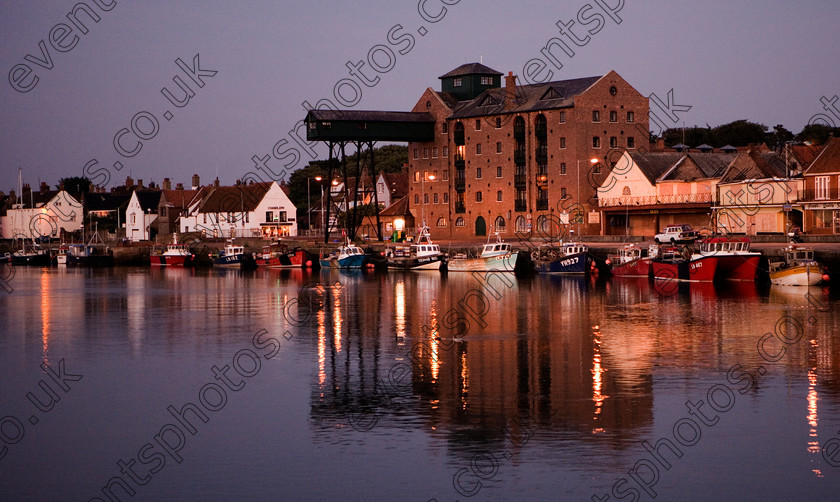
(496, 256)
(797, 268)
(423, 254)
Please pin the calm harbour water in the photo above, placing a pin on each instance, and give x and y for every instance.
(549, 392)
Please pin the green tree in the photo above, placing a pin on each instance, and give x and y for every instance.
(358, 214)
(387, 158)
(777, 139)
(75, 185)
(817, 133)
(298, 181)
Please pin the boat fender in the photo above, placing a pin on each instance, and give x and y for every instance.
(825, 277)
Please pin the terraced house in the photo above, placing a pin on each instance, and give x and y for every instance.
(520, 158)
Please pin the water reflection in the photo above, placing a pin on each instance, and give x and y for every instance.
(521, 353)
(450, 364)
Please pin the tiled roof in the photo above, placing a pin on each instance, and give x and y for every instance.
(397, 183)
(754, 166)
(398, 208)
(471, 69)
(828, 161)
(178, 198)
(234, 198)
(529, 97)
(148, 199)
(654, 165)
(36, 199)
(450, 100)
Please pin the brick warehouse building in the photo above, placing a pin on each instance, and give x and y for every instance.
(519, 157)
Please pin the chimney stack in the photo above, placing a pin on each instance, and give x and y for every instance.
(510, 91)
(167, 185)
(129, 182)
(216, 183)
(44, 187)
(196, 182)
(139, 183)
(179, 186)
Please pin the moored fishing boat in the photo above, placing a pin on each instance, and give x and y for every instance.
(35, 256)
(735, 261)
(89, 255)
(60, 257)
(797, 268)
(676, 265)
(495, 257)
(175, 255)
(422, 254)
(571, 258)
(232, 256)
(347, 256)
(633, 261)
(93, 254)
(277, 255)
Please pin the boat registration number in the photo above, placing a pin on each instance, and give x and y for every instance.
(570, 261)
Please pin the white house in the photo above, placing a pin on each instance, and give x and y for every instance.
(243, 210)
(141, 213)
(43, 213)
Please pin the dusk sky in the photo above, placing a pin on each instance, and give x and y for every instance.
(767, 61)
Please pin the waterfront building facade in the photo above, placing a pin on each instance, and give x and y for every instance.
(822, 191)
(243, 210)
(520, 158)
(45, 213)
(141, 214)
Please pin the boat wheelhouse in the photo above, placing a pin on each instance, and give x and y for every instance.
(798, 267)
(496, 256)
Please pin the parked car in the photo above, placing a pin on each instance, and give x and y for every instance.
(676, 234)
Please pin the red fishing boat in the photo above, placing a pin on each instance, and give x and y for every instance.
(175, 255)
(278, 256)
(735, 261)
(682, 265)
(633, 261)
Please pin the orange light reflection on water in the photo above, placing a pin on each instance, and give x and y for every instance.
(597, 374)
(46, 310)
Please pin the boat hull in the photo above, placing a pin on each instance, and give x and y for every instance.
(695, 270)
(799, 275)
(635, 268)
(234, 261)
(286, 260)
(98, 261)
(502, 263)
(423, 263)
(571, 264)
(737, 267)
(171, 261)
(31, 260)
(348, 262)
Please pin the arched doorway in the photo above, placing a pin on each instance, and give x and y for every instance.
(480, 226)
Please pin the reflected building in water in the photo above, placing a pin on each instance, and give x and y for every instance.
(529, 351)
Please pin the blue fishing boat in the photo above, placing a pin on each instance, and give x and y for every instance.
(232, 256)
(571, 258)
(346, 256)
